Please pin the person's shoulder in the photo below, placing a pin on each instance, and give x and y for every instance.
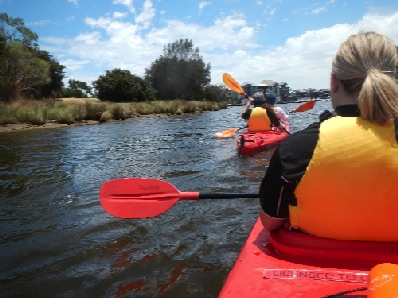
(301, 138)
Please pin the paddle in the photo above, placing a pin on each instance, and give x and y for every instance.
(304, 107)
(232, 84)
(144, 197)
(228, 132)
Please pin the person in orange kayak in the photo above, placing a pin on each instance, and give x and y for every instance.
(262, 117)
(338, 178)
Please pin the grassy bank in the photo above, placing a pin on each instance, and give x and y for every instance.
(71, 111)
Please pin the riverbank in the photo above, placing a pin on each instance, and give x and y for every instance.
(26, 126)
(88, 112)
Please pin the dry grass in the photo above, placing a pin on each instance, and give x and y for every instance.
(81, 111)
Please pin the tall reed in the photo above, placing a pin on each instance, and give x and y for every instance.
(69, 112)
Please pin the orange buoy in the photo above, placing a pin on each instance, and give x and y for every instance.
(383, 281)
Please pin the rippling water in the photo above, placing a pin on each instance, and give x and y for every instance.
(57, 241)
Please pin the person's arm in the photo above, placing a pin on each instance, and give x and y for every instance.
(271, 223)
(246, 111)
(274, 119)
(286, 168)
(274, 202)
(283, 116)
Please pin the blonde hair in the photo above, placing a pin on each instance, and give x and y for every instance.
(366, 64)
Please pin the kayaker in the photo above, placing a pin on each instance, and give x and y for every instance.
(337, 178)
(261, 117)
(280, 113)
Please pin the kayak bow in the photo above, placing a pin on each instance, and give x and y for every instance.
(291, 264)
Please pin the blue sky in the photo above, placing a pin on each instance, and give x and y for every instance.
(289, 41)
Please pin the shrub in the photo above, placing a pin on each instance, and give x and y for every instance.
(8, 114)
(94, 110)
(120, 111)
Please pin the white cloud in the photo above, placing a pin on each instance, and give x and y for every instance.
(127, 3)
(41, 23)
(89, 38)
(303, 61)
(74, 64)
(318, 10)
(202, 5)
(229, 44)
(145, 17)
(119, 15)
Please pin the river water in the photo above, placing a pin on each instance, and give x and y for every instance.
(57, 241)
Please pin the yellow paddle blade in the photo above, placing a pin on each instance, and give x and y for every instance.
(226, 133)
(232, 84)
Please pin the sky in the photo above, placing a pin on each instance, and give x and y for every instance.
(290, 41)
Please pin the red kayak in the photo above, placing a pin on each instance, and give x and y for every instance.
(292, 264)
(254, 142)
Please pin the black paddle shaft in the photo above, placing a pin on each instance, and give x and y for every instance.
(227, 195)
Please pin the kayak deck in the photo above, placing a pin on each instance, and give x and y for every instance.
(259, 271)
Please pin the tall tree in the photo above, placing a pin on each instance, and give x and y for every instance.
(121, 86)
(21, 70)
(180, 72)
(77, 89)
(13, 29)
(21, 67)
(53, 88)
(216, 93)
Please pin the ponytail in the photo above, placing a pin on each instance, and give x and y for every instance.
(366, 65)
(378, 98)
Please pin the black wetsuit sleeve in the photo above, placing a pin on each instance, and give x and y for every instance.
(273, 196)
(246, 115)
(273, 118)
(286, 168)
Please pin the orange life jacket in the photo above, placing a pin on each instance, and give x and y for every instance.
(350, 187)
(259, 120)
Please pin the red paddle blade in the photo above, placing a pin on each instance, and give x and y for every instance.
(138, 197)
(226, 133)
(232, 84)
(305, 106)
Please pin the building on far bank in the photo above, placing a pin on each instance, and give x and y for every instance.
(282, 91)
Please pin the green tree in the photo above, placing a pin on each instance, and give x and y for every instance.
(77, 89)
(13, 29)
(53, 88)
(121, 86)
(21, 71)
(21, 67)
(215, 93)
(180, 72)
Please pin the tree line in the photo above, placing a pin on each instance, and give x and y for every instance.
(26, 71)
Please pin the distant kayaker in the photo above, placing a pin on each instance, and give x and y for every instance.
(338, 178)
(280, 113)
(262, 117)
